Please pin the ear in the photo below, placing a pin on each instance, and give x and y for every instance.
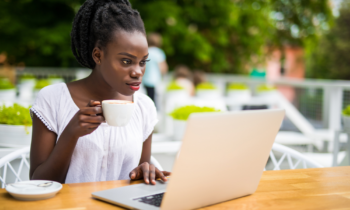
(97, 55)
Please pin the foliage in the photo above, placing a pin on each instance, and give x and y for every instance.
(237, 86)
(330, 57)
(27, 76)
(37, 33)
(205, 86)
(346, 111)
(15, 115)
(265, 88)
(5, 84)
(53, 76)
(184, 112)
(174, 86)
(216, 36)
(41, 83)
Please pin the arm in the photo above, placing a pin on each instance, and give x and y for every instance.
(146, 170)
(50, 161)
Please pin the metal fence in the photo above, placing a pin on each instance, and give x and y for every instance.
(320, 101)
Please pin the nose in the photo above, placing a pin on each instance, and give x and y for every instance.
(136, 72)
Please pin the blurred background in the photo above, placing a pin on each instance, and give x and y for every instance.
(226, 55)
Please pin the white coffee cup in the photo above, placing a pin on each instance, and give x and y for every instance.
(117, 112)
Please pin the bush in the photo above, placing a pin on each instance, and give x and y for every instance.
(346, 111)
(265, 88)
(27, 76)
(237, 86)
(205, 86)
(174, 86)
(15, 115)
(184, 112)
(41, 84)
(5, 84)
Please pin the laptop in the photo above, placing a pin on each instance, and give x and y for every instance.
(222, 157)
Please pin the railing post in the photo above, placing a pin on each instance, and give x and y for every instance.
(335, 108)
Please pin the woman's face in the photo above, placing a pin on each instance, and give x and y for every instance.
(123, 62)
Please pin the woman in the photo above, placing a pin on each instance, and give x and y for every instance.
(71, 142)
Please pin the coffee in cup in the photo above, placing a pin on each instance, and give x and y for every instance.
(117, 112)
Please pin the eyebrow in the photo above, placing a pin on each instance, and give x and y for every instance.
(132, 56)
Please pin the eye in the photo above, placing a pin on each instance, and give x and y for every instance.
(127, 61)
(143, 62)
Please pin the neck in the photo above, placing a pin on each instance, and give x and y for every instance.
(99, 89)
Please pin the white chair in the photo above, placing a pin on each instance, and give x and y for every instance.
(156, 163)
(5, 164)
(291, 156)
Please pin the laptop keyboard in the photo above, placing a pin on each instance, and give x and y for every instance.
(154, 200)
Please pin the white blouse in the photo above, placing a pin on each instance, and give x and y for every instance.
(108, 153)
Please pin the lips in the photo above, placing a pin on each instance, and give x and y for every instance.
(134, 85)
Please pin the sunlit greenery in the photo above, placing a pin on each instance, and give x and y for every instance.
(205, 86)
(265, 88)
(173, 86)
(184, 112)
(212, 35)
(330, 57)
(5, 84)
(15, 115)
(346, 111)
(237, 86)
(41, 84)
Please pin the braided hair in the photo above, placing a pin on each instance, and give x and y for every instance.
(96, 21)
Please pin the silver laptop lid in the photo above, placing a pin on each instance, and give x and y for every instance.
(222, 157)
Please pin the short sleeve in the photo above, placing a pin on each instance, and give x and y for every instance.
(149, 114)
(44, 107)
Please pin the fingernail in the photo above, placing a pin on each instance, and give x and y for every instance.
(147, 181)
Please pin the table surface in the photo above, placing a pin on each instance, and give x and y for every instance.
(321, 188)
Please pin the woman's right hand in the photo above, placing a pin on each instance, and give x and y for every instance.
(86, 120)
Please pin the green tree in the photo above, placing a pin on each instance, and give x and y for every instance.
(36, 32)
(330, 57)
(213, 35)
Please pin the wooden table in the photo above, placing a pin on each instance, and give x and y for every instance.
(325, 188)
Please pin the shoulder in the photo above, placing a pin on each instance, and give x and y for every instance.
(53, 90)
(51, 93)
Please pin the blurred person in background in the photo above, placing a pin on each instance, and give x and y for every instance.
(157, 65)
(183, 77)
(199, 77)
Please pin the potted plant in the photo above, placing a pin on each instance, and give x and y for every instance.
(41, 83)
(175, 90)
(7, 90)
(207, 90)
(346, 118)
(54, 79)
(15, 126)
(180, 116)
(238, 91)
(266, 91)
(26, 86)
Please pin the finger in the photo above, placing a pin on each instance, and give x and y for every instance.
(160, 175)
(91, 110)
(91, 119)
(145, 170)
(166, 173)
(93, 103)
(152, 173)
(89, 125)
(133, 174)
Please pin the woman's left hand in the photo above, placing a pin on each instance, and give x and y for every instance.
(148, 172)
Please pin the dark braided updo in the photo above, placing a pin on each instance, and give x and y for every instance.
(96, 21)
